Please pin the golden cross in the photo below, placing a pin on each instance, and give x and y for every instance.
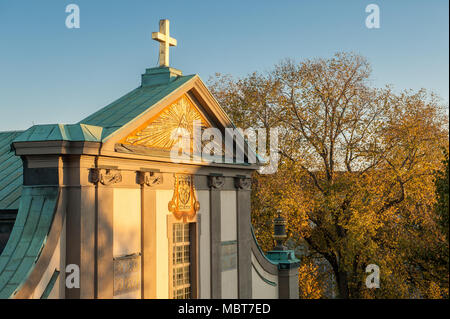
(165, 41)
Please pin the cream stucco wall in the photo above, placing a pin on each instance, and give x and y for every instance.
(127, 222)
(230, 284)
(127, 227)
(228, 215)
(205, 255)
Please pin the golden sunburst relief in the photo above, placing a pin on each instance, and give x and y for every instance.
(158, 132)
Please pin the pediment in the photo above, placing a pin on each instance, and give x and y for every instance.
(162, 131)
(150, 135)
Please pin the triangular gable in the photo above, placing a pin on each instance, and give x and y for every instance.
(149, 134)
(158, 131)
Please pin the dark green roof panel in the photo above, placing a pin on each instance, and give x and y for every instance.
(28, 237)
(11, 172)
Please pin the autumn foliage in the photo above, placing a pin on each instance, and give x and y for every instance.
(356, 176)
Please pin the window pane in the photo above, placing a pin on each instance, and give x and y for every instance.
(181, 267)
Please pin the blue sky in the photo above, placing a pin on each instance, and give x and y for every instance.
(51, 74)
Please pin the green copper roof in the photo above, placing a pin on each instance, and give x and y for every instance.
(11, 172)
(61, 132)
(28, 237)
(132, 105)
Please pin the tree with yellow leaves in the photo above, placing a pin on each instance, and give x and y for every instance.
(355, 179)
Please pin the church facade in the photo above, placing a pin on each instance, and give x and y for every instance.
(100, 208)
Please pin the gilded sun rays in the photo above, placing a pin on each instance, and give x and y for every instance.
(159, 132)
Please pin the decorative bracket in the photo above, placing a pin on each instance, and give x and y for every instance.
(216, 181)
(243, 182)
(150, 178)
(105, 176)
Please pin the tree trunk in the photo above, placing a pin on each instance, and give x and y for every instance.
(342, 283)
